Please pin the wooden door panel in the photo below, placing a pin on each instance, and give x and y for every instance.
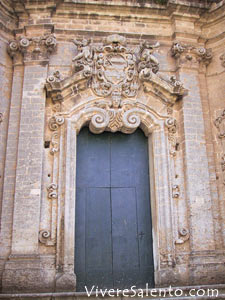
(124, 237)
(113, 220)
(98, 237)
(93, 160)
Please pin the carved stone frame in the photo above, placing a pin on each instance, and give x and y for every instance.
(161, 191)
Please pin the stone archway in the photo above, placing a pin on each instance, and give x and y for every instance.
(138, 98)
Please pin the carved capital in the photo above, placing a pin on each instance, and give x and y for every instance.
(32, 48)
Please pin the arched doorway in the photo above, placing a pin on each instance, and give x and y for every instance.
(113, 231)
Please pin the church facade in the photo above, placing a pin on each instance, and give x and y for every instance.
(112, 126)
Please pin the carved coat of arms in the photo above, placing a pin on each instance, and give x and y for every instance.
(115, 69)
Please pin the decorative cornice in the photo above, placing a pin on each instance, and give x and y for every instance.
(32, 48)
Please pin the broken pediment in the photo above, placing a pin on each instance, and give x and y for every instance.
(114, 70)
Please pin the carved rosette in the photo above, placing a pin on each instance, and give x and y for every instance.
(189, 53)
(32, 48)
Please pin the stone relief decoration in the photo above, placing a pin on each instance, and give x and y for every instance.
(54, 123)
(55, 77)
(117, 115)
(114, 70)
(45, 238)
(222, 58)
(184, 236)
(48, 237)
(52, 191)
(186, 53)
(220, 125)
(176, 191)
(107, 92)
(171, 125)
(32, 48)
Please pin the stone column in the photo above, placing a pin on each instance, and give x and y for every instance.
(24, 260)
(190, 60)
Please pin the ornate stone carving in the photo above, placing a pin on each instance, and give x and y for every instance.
(114, 70)
(117, 115)
(220, 125)
(33, 48)
(178, 86)
(171, 124)
(176, 191)
(222, 58)
(184, 235)
(52, 191)
(148, 63)
(54, 123)
(55, 77)
(189, 52)
(45, 238)
(166, 259)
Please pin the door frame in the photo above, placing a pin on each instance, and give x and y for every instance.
(160, 169)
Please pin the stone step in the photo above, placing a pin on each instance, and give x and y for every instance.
(200, 292)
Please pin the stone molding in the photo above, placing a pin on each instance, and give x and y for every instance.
(32, 48)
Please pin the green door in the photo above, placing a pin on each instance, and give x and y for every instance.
(113, 234)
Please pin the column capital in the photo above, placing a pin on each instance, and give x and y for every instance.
(32, 49)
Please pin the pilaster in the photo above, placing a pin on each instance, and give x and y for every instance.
(24, 261)
(191, 64)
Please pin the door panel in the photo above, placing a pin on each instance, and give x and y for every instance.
(113, 241)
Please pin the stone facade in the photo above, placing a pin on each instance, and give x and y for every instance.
(114, 66)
